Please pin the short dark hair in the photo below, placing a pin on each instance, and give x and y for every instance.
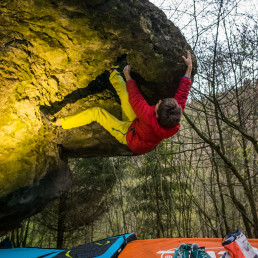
(169, 113)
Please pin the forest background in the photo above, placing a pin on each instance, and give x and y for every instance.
(202, 182)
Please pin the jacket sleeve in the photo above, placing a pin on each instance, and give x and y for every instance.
(181, 98)
(140, 106)
(183, 91)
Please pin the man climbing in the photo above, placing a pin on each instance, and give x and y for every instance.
(146, 126)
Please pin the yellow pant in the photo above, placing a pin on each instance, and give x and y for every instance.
(114, 126)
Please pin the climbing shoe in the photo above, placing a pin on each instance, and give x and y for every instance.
(198, 252)
(182, 251)
(50, 120)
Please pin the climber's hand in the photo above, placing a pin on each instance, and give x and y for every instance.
(127, 72)
(188, 59)
(127, 69)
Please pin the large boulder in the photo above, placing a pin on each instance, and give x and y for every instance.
(54, 57)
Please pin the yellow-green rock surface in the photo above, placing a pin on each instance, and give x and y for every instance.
(53, 56)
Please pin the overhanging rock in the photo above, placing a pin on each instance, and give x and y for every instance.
(54, 56)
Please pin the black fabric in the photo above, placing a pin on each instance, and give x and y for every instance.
(97, 248)
(89, 250)
(231, 237)
(131, 238)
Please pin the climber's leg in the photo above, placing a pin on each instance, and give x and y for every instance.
(114, 126)
(119, 84)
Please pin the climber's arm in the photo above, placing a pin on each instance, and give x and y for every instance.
(139, 105)
(185, 83)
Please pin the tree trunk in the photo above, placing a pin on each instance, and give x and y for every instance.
(61, 221)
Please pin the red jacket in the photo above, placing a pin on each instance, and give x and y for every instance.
(145, 133)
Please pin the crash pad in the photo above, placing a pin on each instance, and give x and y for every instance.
(165, 247)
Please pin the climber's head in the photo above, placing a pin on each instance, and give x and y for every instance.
(168, 112)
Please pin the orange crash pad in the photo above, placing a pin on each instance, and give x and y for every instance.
(165, 247)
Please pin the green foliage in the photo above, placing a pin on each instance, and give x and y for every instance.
(75, 211)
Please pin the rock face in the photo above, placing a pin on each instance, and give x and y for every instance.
(54, 56)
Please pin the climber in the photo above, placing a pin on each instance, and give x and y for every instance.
(146, 126)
